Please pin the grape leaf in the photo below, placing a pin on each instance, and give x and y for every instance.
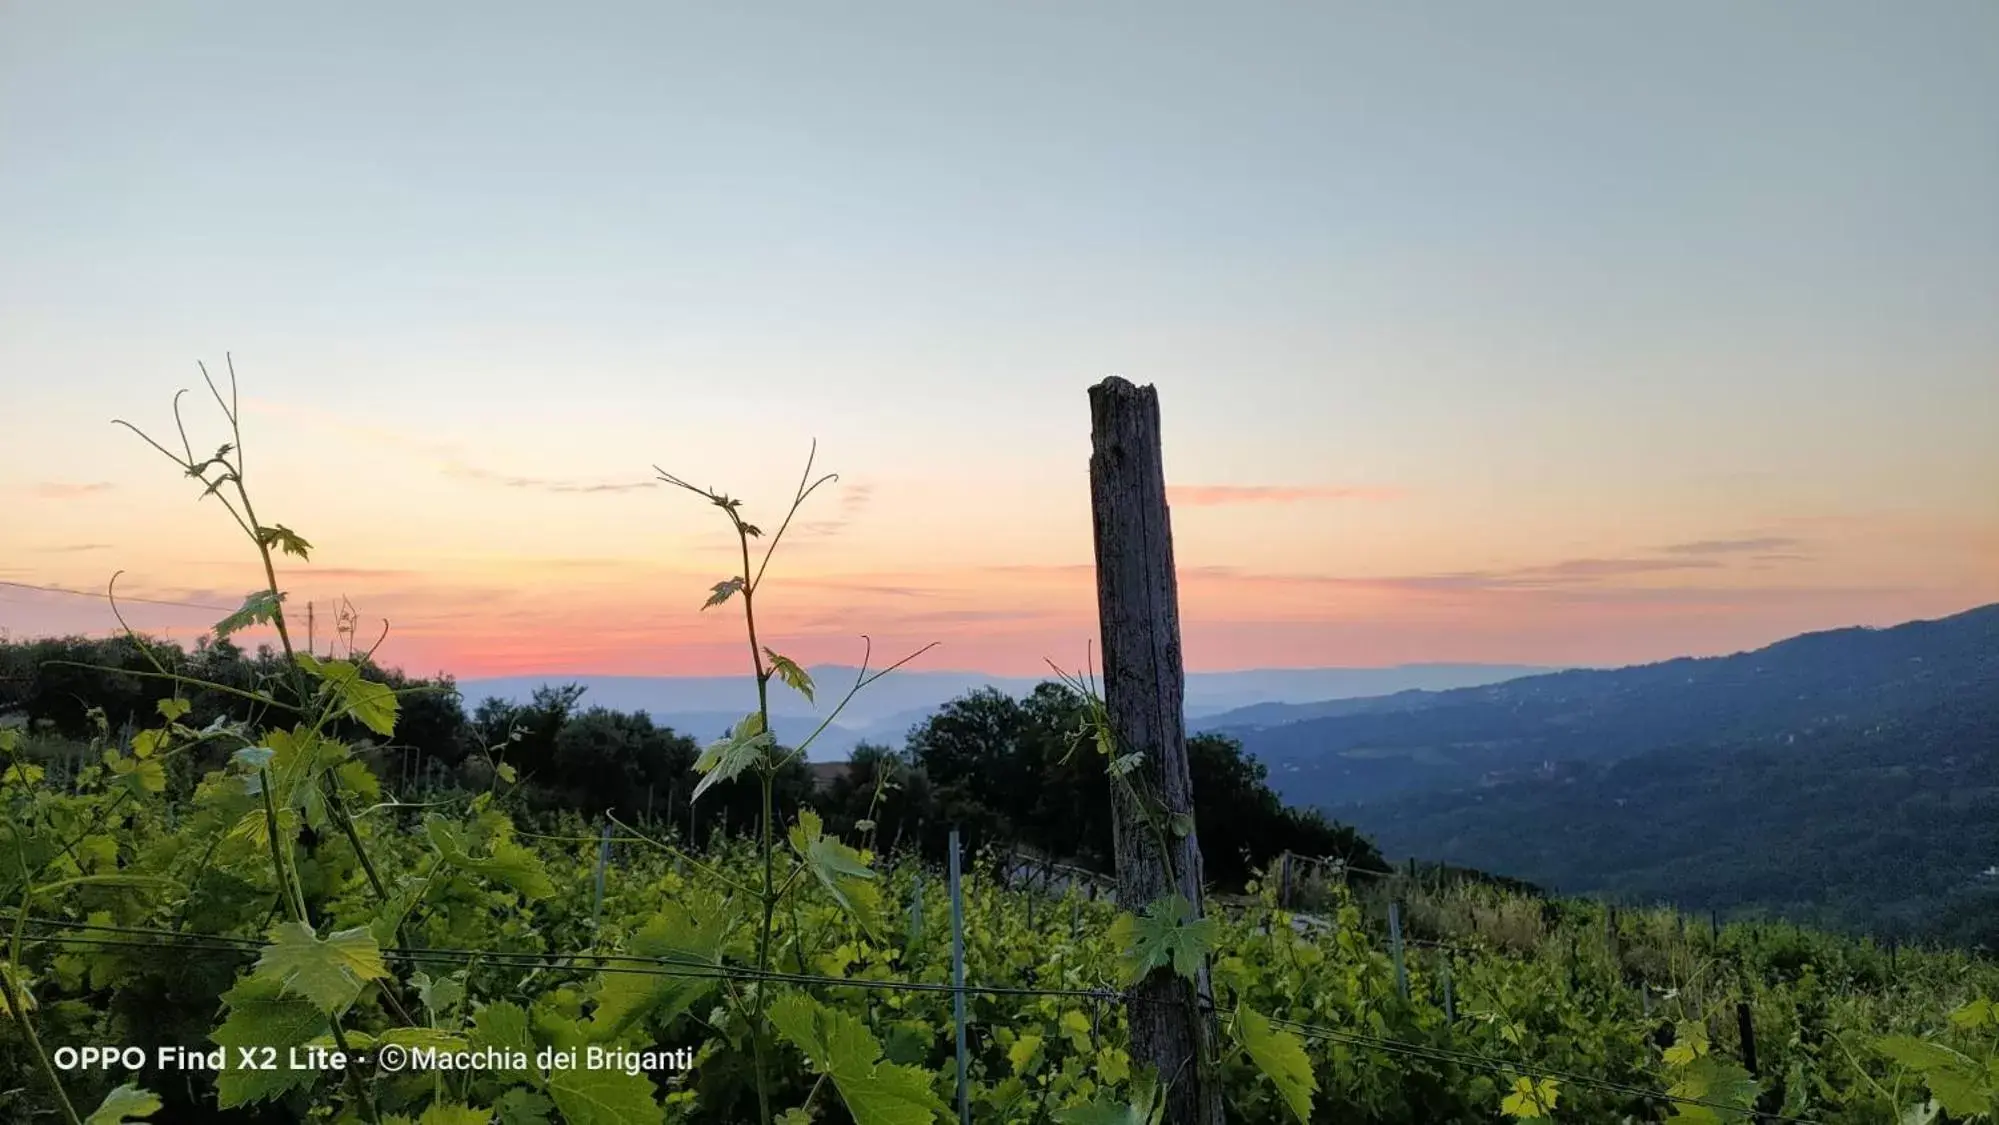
(721, 592)
(1025, 1051)
(1280, 1055)
(674, 934)
(261, 1016)
(793, 676)
(329, 972)
(1530, 1099)
(1168, 934)
(260, 607)
(726, 758)
(604, 1097)
(288, 541)
(371, 704)
(840, 869)
(510, 863)
(1146, 1107)
(124, 1105)
(839, 1046)
(520, 1106)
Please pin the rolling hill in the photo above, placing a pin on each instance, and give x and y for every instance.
(1847, 778)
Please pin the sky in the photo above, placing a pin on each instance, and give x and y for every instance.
(1539, 332)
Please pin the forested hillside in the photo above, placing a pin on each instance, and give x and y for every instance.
(1844, 778)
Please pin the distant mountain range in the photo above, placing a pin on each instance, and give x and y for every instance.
(705, 706)
(1848, 777)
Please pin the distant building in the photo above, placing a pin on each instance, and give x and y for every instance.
(823, 773)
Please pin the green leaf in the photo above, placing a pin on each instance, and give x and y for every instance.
(1714, 1079)
(1974, 1014)
(329, 972)
(503, 1026)
(371, 704)
(261, 1017)
(1145, 1108)
(839, 1046)
(520, 1106)
(123, 1105)
(728, 757)
(510, 863)
(442, 994)
(445, 1114)
(171, 709)
(1920, 1054)
(507, 773)
(604, 1097)
(793, 676)
(260, 607)
(290, 543)
(1280, 1055)
(1024, 1052)
(677, 935)
(1530, 1098)
(18, 980)
(721, 592)
(21, 773)
(140, 775)
(840, 869)
(1168, 934)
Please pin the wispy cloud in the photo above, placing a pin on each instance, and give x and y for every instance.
(1217, 495)
(860, 586)
(448, 456)
(1603, 568)
(1732, 546)
(855, 497)
(64, 490)
(464, 471)
(73, 548)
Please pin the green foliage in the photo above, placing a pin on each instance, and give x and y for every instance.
(726, 759)
(839, 1046)
(124, 1105)
(328, 971)
(371, 703)
(1280, 1056)
(260, 607)
(1167, 934)
(843, 871)
(788, 670)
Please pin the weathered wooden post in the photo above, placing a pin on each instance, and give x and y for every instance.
(1138, 607)
(958, 976)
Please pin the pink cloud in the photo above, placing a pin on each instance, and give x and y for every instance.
(62, 490)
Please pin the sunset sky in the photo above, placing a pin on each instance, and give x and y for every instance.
(1538, 332)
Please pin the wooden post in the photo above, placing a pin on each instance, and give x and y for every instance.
(1138, 607)
(1395, 949)
(1747, 1027)
(1284, 883)
(603, 861)
(958, 977)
